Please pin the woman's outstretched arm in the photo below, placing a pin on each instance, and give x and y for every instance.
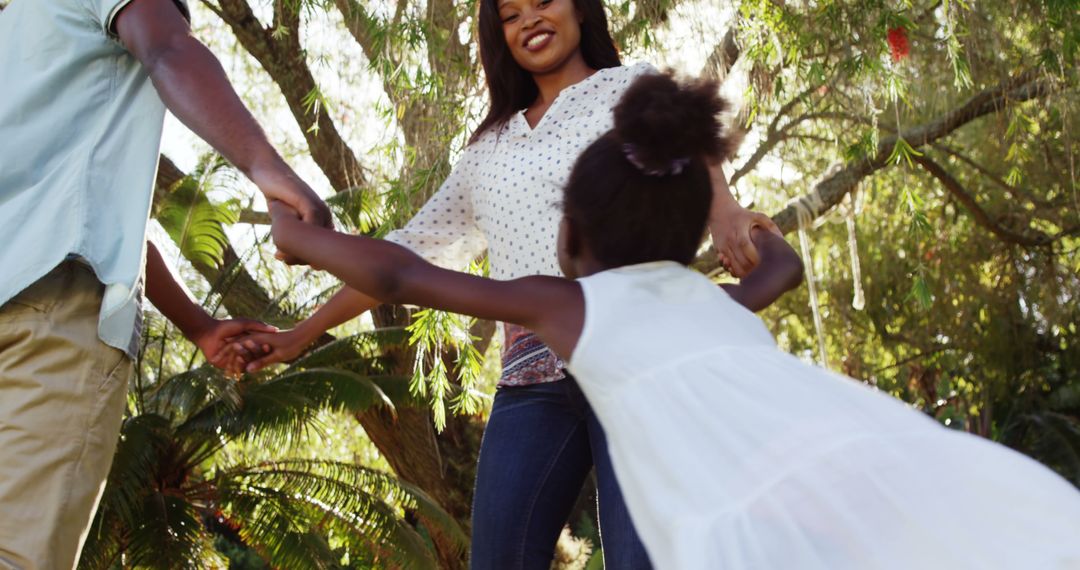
(779, 271)
(551, 306)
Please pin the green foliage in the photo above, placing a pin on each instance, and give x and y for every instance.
(172, 484)
(194, 222)
(903, 151)
(434, 333)
(971, 289)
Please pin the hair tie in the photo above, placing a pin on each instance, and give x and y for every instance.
(674, 168)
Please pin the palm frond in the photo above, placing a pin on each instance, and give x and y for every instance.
(170, 535)
(141, 515)
(358, 208)
(299, 514)
(356, 505)
(286, 405)
(103, 545)
(184, 394)
(193, 221)
(144, 440)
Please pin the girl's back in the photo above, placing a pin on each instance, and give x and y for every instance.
(731, 453)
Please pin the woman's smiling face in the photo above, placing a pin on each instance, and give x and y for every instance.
(542, 34)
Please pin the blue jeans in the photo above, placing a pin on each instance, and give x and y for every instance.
(539, 445)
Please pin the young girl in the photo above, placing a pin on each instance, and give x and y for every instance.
(730, 453)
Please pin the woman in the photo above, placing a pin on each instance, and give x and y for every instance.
(553, 76)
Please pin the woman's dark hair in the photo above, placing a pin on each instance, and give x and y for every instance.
(642, 191)
(510, 87)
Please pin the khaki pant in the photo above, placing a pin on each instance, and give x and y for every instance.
(62, 395)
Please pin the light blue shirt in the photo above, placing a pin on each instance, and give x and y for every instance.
(80, 131)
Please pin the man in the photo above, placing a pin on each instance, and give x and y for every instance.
(86, 87)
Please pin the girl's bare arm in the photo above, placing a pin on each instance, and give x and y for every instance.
(779, 271)
(550, 306)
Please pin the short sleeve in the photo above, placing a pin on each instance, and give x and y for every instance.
(643, 68)
(106, 11)
(633, 72)
(444, 231)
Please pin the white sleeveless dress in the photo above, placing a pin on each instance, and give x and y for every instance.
(733, 454)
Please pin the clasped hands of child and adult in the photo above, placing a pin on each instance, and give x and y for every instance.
(255, 349)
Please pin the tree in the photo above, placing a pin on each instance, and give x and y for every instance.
(956, 290)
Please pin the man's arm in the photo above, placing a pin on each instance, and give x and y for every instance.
(193, 85)
(170, 297)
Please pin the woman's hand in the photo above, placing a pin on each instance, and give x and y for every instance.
(731, 230)
(731, 225)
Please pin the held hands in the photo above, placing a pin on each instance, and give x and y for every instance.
(295, 197)
(283, 219)
(731, 231)
(270, 348)
(731, 225)
(216, 341)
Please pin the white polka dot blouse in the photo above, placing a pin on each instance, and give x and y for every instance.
(503, 194)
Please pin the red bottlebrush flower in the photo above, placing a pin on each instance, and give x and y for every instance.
(898, 43)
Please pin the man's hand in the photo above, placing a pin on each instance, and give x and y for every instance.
(291, 191)
(214, 338)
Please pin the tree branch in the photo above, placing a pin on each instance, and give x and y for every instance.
(831, 189)
(977, 213)
(648, 14)
(723, 58)
(828, 192)
(447, 56)
(168, 175)
(360, 25)
(774, 135)
(282, 56)
(254, 218)
(1013, 191)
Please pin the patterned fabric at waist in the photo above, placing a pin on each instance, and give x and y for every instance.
(526, 360)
